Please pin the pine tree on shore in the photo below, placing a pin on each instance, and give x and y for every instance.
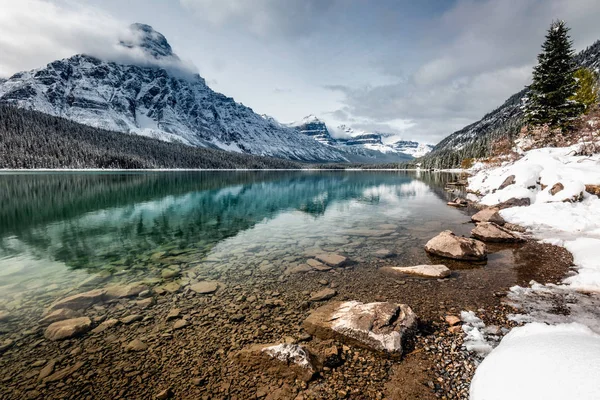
(554, 84)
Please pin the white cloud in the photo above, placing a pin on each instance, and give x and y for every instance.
(261, 17)
(36, 32)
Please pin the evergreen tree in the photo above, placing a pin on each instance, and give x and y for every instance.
(587, 93)
(554, 82)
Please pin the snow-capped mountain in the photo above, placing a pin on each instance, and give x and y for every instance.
(504, 120)
(360, 146)
(412, 148)
(155, 97)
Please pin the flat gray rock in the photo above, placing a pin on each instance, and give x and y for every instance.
(332, 259)
(426, 271)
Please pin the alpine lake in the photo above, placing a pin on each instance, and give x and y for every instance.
(249, 233)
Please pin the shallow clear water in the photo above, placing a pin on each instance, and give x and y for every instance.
(58, 228)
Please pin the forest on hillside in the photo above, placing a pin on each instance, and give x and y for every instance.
(30, 139)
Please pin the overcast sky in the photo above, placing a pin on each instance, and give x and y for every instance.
(421, 69)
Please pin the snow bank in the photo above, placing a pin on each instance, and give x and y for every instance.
(575, 225)
(539, 361)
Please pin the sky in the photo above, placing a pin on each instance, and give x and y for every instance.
(418, 69)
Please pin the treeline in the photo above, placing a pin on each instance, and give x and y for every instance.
(30, 139)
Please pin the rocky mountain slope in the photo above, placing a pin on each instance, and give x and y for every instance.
(156, 97)
(360, 146)
(474, 140)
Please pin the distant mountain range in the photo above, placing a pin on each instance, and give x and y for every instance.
(360, 146)
(157, 98)
(474, 140)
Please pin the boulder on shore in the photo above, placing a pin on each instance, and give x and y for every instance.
(279, 360)
(448, 245)
(68, 328)
(488, 215)
(490, 232)
(425, 271)
(382, 327)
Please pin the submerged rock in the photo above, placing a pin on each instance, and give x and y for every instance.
(123, 291)
(426, 271)
(205, 287)
(489, 215)
(377, 326)
(68, 328)
(490, 232)
(79, 301)
(447, 244)
(59, 315)
(332, 259)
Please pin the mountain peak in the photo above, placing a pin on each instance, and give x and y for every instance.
(150, 41)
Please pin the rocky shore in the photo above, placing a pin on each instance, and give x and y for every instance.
(193, 335)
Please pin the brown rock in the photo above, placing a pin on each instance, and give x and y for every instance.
(384, 253)
(109, 323)
(279, 360)
(5, 345)
(129, 319)
(47, 370)
(123, 291)
(381, 327)
(489, 215)
(136, 345)
(179, 324)
(145, 303)
(298, 269)
(452, 320)
(173, 313)
(510, 180)
(205, 287)
(314, 263)
(59, 315)
(322, 295)
(68, 328)
(79, 301)
(514, 202)
(490, 232)
(165, 394)
(593, 189)
(514, 227)
(455, 329)
(332, 259)
(64, 373)
(556, 188)
(447, 244)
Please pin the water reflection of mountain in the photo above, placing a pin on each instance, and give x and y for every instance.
(89, 219)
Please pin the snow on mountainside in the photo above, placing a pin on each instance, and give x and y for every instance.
(505, 119)
(154, 98)
(359, 145)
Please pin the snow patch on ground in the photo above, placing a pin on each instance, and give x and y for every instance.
(560, 360)
(539, 361)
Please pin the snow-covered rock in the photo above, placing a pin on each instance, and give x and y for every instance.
(539, 361)
(378, 326)
(158, 98)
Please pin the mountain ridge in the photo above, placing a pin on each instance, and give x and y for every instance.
(151, 101)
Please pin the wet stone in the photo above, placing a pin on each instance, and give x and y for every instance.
(205, 287)
(323, 295)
